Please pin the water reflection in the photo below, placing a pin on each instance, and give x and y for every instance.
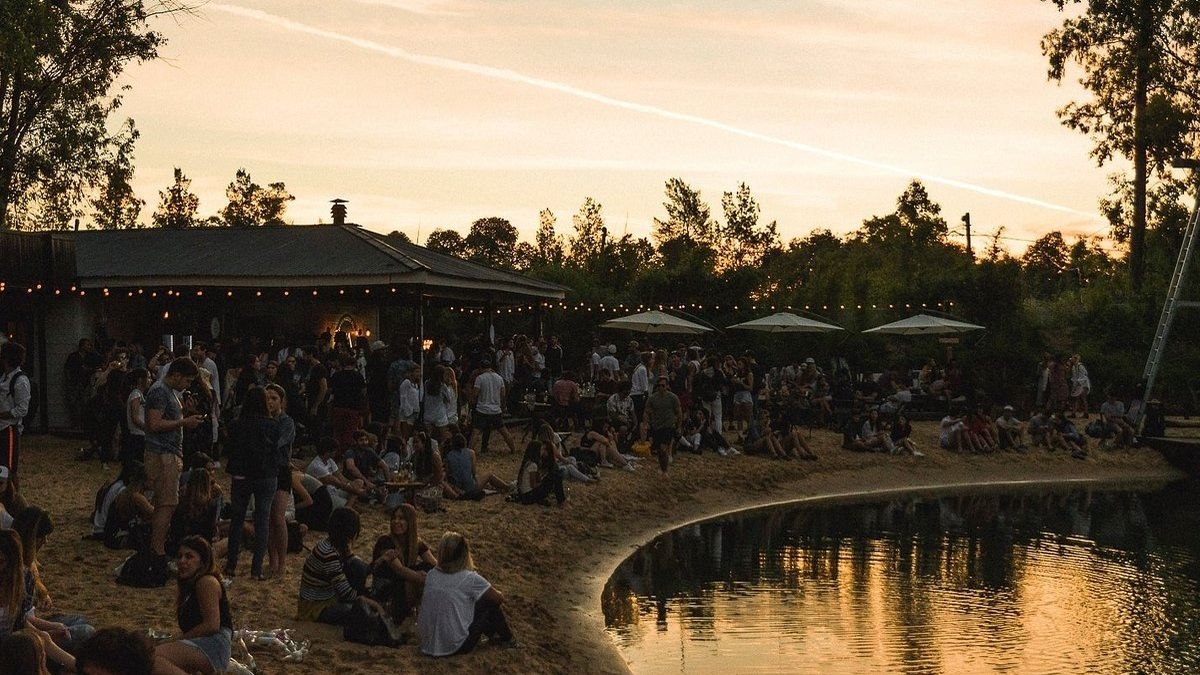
(1080, 581)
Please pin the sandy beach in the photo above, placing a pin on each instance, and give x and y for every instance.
(551, 563)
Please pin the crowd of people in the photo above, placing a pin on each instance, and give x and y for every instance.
(310, 433)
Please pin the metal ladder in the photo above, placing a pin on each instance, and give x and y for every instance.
(1173, 301)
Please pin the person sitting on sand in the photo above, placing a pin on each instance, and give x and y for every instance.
(1112, 412)
(1039, 429)
(1010, 430)
(621, 413)
(202, 611)
(951, 434)
(1064, 435)
(115, 651)
(538, 477)
(11, 502)
(761, 439)
(14, 601)
(979, 432)
(126, 524)
(334, 578)
(33, 526)
(325, 468)
(901, 434)
(791, 439)
(459, 607)
(872, 436)
(600, 440)
(568, 465)
(23, 653)
(461, 472)
(399, 562)
(198, 513)
(428, 467)
(105, 497)
(362, 461)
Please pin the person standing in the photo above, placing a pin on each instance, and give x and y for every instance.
(254, 463)
(164, 445)
(349, 390)
(77, 376)
(1081, 386)
(554, 359)
(15, 394)
(639, 384)
(664, 418)
(489, 394)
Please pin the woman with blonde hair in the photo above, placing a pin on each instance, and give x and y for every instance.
(459, 606)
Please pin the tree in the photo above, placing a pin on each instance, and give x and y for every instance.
(688, 217)
(916, 222)
(398, 236)
(746, 243)
(548, 245)
(59, 61)
(492, 241)
(177, 205)
(591, 239)
(115, 207)
(1045, 262)
(1139, 64)
(448, 242)
(250, 204)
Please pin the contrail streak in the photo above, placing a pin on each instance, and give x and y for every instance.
(513, 76)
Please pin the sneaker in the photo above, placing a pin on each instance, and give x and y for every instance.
(918, 453)
(733, 452)
(630, 458)
(722, 452)
(630, 468)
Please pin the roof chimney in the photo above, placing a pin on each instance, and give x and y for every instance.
(338, 211)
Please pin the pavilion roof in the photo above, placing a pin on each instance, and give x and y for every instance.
(287, 256)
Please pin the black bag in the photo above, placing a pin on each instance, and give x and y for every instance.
(144, 570)
(1096, 429)
(367, 626)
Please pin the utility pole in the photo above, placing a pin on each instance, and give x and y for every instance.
(966, 220)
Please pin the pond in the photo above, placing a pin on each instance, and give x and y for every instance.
(1065, 581)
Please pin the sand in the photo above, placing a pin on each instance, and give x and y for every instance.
(551, 563)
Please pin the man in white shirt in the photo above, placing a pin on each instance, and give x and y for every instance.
(15, 395)
(1011, 429)
(489, 393)
(639, 384)
(951, 433)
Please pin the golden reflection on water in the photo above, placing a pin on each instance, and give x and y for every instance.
(1024, 584)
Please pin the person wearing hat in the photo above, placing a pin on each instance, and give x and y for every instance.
(1011, 430)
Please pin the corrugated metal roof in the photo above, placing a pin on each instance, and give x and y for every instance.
(300, 251)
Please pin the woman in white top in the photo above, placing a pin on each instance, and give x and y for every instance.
(450, 379)
(459, 606)
(1081, 386)
(133, 435)
(436, 417)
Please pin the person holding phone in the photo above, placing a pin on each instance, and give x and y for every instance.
(165, 424)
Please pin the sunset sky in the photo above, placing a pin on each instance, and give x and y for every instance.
(431, 113)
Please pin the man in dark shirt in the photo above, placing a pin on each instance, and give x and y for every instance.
(348, 392)
(554, 358)
(77, 375)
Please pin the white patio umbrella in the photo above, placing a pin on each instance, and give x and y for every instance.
(925, 324)
(786, 322)
(656, 322)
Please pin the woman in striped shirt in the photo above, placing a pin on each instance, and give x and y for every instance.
(334, 578)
